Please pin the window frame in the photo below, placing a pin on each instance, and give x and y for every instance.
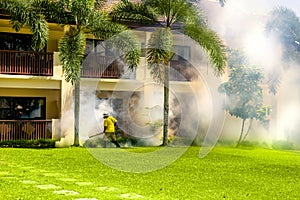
(19, 107)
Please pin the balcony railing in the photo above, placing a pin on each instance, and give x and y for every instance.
(182, 71)
(26, 63)
(96, 66)
(25, 129)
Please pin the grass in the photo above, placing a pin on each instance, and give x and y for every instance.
(226, 173)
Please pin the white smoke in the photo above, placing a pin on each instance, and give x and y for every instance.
(241, 24)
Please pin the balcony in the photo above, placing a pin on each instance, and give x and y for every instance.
(26, 63)
(96, 66)
(182, 70)
(25, 129)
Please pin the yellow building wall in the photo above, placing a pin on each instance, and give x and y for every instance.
(5, 26)
(56, 32)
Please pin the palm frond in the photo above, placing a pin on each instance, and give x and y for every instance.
(159, 53)
(56, 11)
(177, 11)
(98, 4)
(71, 48)
(159, 46)
(211, 43)
(39, 28)
(174, 11)
(134, 12)
(118, 36)
(24, 13)
(284, 21)
(129, 44)
(192, 15)
(157, 72)
(81, 9)
(101, 27)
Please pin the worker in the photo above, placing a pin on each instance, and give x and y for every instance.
(109, 128)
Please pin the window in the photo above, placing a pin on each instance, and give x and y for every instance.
(13, 41)
(100, 47)
(22, 107)
(182, 52)
(89, 46)
(182, 70)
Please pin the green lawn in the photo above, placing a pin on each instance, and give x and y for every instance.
(226, 173)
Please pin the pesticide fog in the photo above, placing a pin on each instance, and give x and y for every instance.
(141, 113)
(139, 110)
(241, 24)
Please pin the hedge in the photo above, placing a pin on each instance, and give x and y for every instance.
(41, 143)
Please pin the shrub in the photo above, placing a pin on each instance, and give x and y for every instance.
(283, 145)
(184, 141)
(93, 143)
(41, 143)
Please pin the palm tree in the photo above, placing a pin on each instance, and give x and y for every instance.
(160, 44)
(285, 24)
(80, 18)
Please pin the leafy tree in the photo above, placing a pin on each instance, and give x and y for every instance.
(244, 94)
(170, 15)
(80, 18)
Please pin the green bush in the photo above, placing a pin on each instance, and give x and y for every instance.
(184, 141)
(283, 145)
(93, 142)
(42, 143)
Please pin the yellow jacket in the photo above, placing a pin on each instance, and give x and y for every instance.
(109, 123)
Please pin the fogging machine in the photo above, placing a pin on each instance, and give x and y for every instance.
(96, 135)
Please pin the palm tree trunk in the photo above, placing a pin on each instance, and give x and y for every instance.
(76, 112)
(166, 105)
(241, 134)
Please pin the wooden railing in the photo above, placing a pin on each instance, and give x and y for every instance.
(96, 66)
(26, 63)
(25, 129)
(182, 71)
